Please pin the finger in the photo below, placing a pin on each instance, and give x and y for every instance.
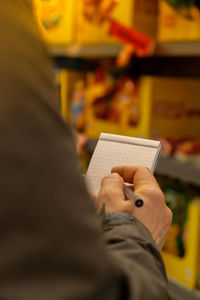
(136, 175)
(112, 185)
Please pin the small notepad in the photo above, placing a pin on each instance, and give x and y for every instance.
(116, 150)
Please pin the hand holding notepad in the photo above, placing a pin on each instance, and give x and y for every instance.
(114, 150)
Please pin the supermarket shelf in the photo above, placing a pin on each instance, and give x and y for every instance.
(93, 51)
(178, 49)
(178, 291)
(153, 66)
(168, 66)
(98, 51)
(82, 58)
(74, 63)
(184, 171)
(170, 59)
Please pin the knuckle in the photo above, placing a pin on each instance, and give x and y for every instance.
(115, 175)
(110, 177)
(168, 217)
(144, 169)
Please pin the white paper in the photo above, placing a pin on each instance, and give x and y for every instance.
(115, 150)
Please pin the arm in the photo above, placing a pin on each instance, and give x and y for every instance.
(50, 237)
(135, 236)
(136, 254)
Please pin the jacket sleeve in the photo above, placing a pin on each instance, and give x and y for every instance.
(133, 249)
(51, 244)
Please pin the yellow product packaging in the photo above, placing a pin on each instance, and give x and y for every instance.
(169, 108)
(185, 269)
(173, 25)
(56, 19)
(175, 108)
(142, 126)
(65, 82)
(92, 21)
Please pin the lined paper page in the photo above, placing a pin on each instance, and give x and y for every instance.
(114, 150)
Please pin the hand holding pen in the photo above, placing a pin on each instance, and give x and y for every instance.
(154, 214)
(130, 195)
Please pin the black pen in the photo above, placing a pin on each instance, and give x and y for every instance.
(130, 195)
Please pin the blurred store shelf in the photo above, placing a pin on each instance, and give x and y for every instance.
(170, 59)
(98, 51)
(74, 63)
(93, 51)
(178, 291)
(183, 171)
(178, 49)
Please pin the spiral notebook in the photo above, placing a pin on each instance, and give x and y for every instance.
(115, 150)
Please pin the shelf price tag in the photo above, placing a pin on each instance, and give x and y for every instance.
(141, 43)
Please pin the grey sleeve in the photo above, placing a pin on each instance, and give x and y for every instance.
(132, 248)
(51, 244)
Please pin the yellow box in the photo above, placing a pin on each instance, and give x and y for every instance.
(65, 22)
(168, 107)
(186, 269)
(178, 26)
(95, 125)
(175, 109)
(65, 82)
(140, 14)
(57, 20)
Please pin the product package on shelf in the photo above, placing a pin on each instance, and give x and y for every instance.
(85, 22)
(181, 253)
(164, 108)
(102, 104)
(179, 20)
(56, 19)
(70, 94)
(94, 19)
(185, 269)
(176, 117)
(65, 82)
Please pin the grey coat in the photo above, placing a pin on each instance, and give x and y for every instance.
(52, 244)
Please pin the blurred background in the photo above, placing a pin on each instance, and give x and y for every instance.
(132, 67)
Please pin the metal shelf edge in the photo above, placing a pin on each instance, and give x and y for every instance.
(90, 51)
(184, 171)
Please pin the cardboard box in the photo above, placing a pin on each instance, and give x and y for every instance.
(56, 20)
(175, 108)
(68, 22)
(178, 25)
(65, 82)
(139, 14)
(186, 269)
(169, 107)
(95, 126)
